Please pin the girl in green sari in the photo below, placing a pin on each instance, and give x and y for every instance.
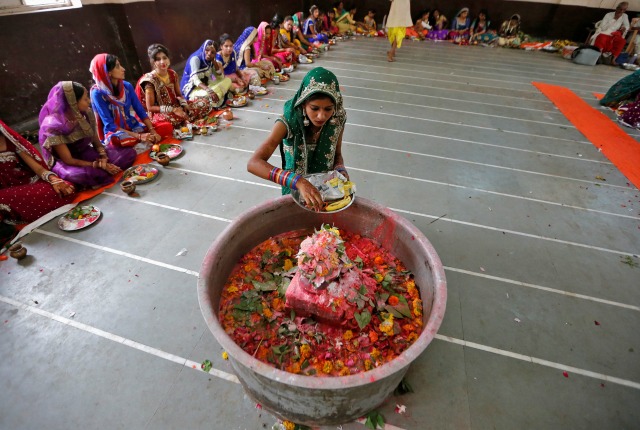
(309, 135)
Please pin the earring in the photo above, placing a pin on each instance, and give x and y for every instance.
(333, 120)
(305, 121)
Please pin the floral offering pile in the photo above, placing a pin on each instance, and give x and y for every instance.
(331, 304)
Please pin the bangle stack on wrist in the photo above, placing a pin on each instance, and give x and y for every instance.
(340, 168)
(166, 109)
(46, 174)
(284, 177)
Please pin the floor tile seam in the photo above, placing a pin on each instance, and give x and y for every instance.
(118, 252)
(543, 288)
(443, 98)
(378, 81)
(491, 145)
(449, 268)
(520, 233)
(527, 65)
(448, 66)
(414, 77)
(457, 160)
(568, 125)
(118, 339)
(429, 181)
(347, 95)
(540, 361)
(455, 124)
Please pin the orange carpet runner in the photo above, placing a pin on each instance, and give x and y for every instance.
(620, 148)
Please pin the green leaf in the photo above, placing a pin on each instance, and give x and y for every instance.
(265, 286)
(304, 364)
(403, 309)
(283, 286)
(403, 388)
(369, 424)
(374, 420)
(206, 365)
(393, 311)
(362, 318)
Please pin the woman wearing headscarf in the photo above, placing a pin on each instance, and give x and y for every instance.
(246, 59)
(28, 188)
(160, 93)
(309, 135)
(461, 27)
(203, 77)
(70, 143)
(397, 22)
(510, 32)
(112, 99)
(263, 49)
(480, 32)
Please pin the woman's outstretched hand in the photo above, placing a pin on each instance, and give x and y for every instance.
(310, 195)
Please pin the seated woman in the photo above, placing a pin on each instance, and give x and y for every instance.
(287, 54)
(112, 99)
(203, 77)
(70, 143)
(330, 22)
(263, 50)
(438, 22)
(241, 80)
(368, 24)
(480, 32)
(287, 39)
(346, 21)
(309, 135)
(421, 28)
(309, 28)
(159, 91)
(245, 60)
(461, 27)
(624, 96)
(298, 23)
(510, 32)
(28, 189)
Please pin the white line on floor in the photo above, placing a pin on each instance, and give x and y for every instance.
(133, 344)
(117, 252)
(519, 133)
(518, 233)
(535, 360)
(547, 289)
(548, 154)
(232, 378)
(447, 184)
(174, 208)
(451, 269)
(119, 339)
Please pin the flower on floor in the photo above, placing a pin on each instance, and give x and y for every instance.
(225, 355)
(206, 365)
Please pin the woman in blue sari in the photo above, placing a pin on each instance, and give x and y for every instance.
(461, 27)
(309, 28)
(203, 77)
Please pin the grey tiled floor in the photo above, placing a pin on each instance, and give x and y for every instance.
(533, 247)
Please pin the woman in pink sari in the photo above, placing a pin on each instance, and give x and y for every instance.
(263, 49)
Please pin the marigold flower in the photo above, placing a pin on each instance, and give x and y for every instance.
(412, 337)
(277, 304)
(378, 260)
(375, 354)
(294, 368)
(408, 328)
(344, 371)
(232, 289)
(225, 355)
(288, 265)
(393, 300)
(327, 367)
(386, 326)
(368, 364)
(417, 307)
(378, 277)
(305, 351)
(339, 364)
(348, 335)
(267, 312)
(288, 425)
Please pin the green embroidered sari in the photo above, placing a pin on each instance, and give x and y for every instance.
(297, 155)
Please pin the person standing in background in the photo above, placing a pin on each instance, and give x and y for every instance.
(397, 22)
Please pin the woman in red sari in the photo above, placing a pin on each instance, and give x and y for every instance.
(28, 189)
(263, 49)
(159, 92)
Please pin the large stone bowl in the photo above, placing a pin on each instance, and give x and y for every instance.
(309, 400)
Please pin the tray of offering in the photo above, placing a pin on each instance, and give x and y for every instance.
(172, 150)
(141, 174)
(79, 218)
(338, 193)
(238, 101)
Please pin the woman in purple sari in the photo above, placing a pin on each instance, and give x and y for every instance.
(70, 144)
